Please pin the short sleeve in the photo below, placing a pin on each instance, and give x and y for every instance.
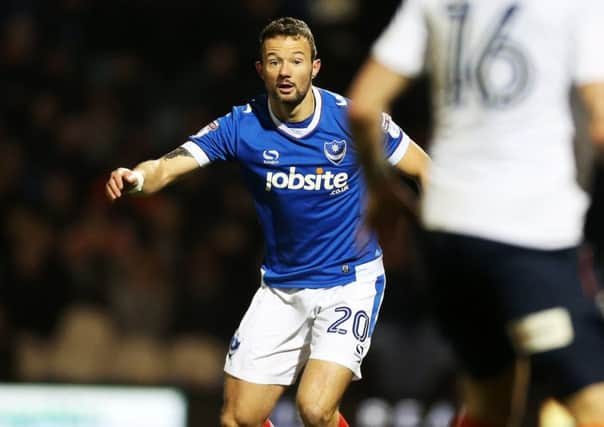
(215, 141)
(402, 45)
(395, 140)
(589, 27)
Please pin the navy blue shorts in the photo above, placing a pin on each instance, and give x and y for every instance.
(479, 286)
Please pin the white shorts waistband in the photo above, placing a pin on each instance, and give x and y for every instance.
(370, 269)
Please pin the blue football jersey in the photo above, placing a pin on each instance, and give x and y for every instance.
(306, 184)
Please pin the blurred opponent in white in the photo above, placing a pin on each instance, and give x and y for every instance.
(502, 193)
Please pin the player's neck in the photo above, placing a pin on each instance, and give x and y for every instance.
(294, 113)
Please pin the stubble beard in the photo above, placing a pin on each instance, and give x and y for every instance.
(294, 99)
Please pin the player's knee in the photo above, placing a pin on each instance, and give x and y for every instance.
(314, 414)
(239, 418)
(227, 420)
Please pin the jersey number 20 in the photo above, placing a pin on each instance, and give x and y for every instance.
(360, 323)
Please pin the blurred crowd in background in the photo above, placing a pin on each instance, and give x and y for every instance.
(149, 290)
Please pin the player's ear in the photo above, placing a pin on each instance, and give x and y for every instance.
(258, 65)
(316, 66)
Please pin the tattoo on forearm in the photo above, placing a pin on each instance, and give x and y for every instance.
(179, 152)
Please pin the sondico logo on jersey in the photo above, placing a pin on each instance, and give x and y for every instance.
(321, 180)
(270, 157)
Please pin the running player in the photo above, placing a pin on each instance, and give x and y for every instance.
(321, 288)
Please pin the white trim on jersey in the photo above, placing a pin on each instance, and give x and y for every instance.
(299, 132)
(400, 151)
(197, 153)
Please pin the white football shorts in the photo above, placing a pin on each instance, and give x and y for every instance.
(284, 327)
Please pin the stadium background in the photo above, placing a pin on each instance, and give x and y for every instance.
(148, 291)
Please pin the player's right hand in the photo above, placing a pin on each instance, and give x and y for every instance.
(120, 182)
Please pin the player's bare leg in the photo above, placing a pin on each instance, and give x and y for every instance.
(321, 388)
(248, 404)
(587, 406)
(498, 401)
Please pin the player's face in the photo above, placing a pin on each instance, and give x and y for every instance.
(287, 68)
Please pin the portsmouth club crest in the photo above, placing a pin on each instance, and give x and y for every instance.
(335, 151)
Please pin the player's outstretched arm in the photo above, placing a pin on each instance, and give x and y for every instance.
(593, 98)
(150, 176)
